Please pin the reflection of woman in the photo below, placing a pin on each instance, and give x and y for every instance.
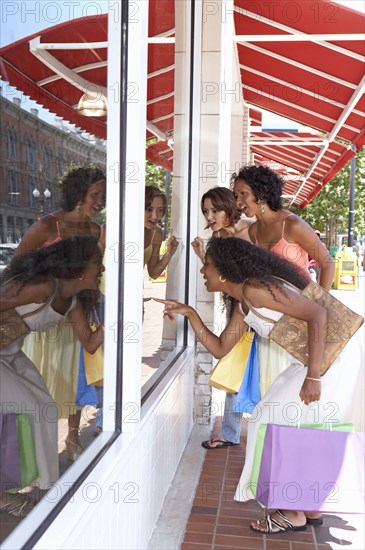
(256, 281)
(43, 286)
(155, 210)
(56, 354)
(223, 217)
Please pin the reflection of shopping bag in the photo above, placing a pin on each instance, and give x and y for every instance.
(86, 393)
(228, 373)
(27, 454)
(9, 453)
(249, 392)
(261, 432)
(312, 469)
(94, 365)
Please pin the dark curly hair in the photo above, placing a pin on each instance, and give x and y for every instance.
(152, 192)
(76, 183)
(265, 184)
(66, 259)
(238, 260)
(222, 200)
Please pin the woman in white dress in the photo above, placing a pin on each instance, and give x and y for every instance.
(249, 276)
(42, 287)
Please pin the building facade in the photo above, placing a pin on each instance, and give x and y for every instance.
(33, 155)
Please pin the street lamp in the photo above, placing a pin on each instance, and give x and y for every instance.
(42, 197)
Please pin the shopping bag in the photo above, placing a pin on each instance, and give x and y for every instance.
(249, 393)
(9, 452)
(94, 365)
(86, 393)
(261, 432)
(27, 454)
(309, 469)
(228, 373)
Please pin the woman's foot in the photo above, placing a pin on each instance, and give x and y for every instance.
(280, 521)
(18, 505)
(314, 518)
(217, 443)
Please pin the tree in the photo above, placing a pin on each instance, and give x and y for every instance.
(329, 210)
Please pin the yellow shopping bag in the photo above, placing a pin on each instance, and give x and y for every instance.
(94, 365)
(228, 373)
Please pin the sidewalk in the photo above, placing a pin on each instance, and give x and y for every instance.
(200, 514)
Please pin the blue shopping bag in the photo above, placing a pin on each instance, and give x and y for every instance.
(86, 393)
(249, 393)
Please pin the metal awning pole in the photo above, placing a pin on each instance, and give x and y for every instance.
(350, 236)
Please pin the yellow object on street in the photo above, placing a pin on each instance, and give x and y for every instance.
(345, 269)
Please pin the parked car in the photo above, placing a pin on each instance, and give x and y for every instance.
(6, 253)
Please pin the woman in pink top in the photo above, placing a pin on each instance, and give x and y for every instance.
(56, 353)
(258, 192)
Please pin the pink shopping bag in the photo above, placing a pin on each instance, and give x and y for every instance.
(312, 469)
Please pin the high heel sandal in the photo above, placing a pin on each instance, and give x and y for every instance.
(73, 450)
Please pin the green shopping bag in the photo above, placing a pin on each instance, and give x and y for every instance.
(27, 456)
(347, 427)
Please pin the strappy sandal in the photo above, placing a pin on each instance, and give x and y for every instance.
(16, 508)
(271, 522)
(220, 444)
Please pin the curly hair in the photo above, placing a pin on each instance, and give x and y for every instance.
(76, 183)
(66, 259)
(265, 184)
(223, 201)
(237, 260)
(151, 192)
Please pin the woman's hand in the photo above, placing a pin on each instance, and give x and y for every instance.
(172, 307)
(172, 244)
(198, 246)
(310, 391)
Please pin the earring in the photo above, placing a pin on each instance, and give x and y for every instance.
(262, 207)
(78, 208)
(82, 277)
(222, 279)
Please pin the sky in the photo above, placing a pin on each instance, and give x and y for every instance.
(20, 18)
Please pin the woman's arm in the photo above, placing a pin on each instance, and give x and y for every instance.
(198, 247)
(89, 339)
(218, 346)
(14, 294)
(301, 233)
(36, 235)
(155, 265)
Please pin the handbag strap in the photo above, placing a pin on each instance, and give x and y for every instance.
(263, 317)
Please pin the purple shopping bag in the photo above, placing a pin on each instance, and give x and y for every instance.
(9, 453)
(311, 469)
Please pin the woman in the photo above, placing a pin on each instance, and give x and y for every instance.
(56, 354)
(42, 287)
(223, 217)
(258, 192)
(250, 277)
(155, 211)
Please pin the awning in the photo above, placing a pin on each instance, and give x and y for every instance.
(55, 68)
(310, 71)
(297, 152)
(305, 61)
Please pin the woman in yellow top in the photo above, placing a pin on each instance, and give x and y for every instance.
(155, 211)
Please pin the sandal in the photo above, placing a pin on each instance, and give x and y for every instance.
(221, 444)
(315, 521)
(18, 506)
(271, 522)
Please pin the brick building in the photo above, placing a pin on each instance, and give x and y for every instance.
(33, 154)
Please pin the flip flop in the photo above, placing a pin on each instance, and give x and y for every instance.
(272, 522)
(315, 521)
(221, 444)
